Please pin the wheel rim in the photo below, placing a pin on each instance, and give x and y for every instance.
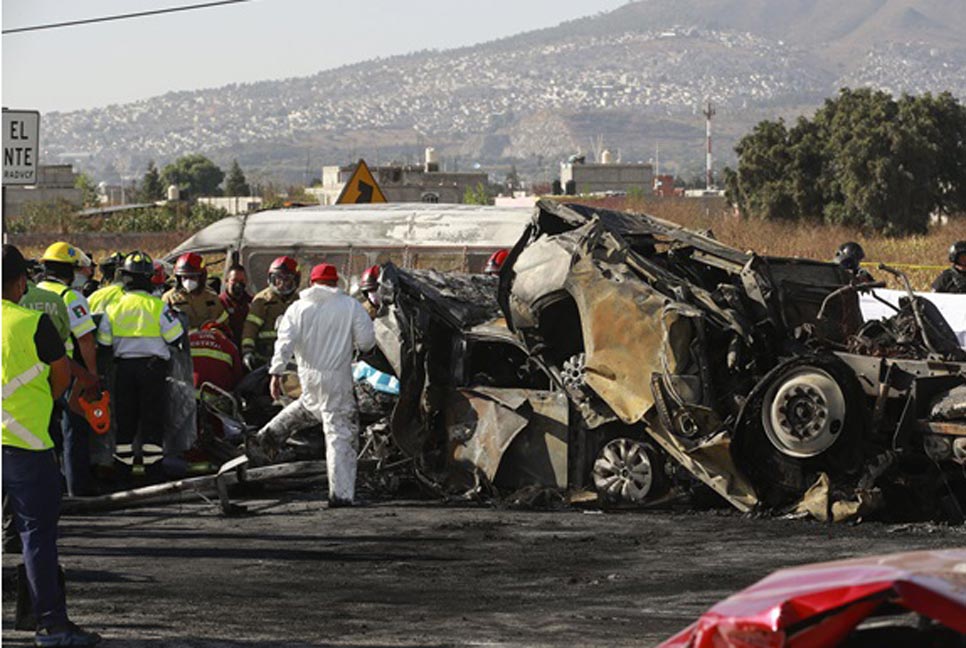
(623, 471)
(574, 371)
(803, 412)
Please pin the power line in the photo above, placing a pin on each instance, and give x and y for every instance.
(139, 14)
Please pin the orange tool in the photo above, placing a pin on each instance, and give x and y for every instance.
(98, 412)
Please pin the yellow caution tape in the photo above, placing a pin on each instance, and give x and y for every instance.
(902, 266)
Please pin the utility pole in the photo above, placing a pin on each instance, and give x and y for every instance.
(708, 114)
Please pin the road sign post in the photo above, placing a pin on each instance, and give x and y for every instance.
(21, 150)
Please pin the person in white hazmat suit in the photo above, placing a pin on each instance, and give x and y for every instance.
(321, 329)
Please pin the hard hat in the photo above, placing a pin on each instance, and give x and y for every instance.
(160, 275)
(849, 255)
(189, 264)
(325, 273)
(112, 261)
(61, 252)
(138, 263)
(956, 250)
(495, 262)
(284, 265)
(370, 278)
(83, 261)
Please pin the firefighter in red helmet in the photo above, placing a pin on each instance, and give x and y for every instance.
(369, 287)
(258, 333)
(190, 295)
(495, 262)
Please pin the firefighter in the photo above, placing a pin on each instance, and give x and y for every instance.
(111, 285)
(214, 357)
(236, 300)
(190, 295)
(139, 327)
(61, 263)
(35, 372)
(86, 267)
(953, 279)
(258, 334)
(159, 279)
(849, 256)
(369, 286)
(321, 330)
(495, 262)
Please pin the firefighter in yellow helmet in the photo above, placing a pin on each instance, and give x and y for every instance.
(62, 276)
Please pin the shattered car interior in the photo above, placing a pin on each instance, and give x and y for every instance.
(756, 375)
(625, 359)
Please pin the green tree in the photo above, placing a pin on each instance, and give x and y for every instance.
(235, 184)
(152, 188)
(478, 195)
(865, 160)
(195, 175)
(89, 195)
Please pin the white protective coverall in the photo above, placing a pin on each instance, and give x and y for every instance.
(321, 329)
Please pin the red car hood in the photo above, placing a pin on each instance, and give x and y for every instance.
(819, 605)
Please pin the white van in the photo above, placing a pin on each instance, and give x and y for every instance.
(354, 237)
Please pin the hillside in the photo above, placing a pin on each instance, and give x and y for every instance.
(635, 76)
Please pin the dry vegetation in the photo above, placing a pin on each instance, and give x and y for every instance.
(926, 254)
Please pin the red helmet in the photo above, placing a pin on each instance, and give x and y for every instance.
(495, 262)
(370, 279)
(284, 275)
(325, 273)
(189, 264)
(160, 275)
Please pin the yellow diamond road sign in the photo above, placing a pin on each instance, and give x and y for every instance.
(361, 188)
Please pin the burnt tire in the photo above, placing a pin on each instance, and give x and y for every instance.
(628, 472)
(791, 429)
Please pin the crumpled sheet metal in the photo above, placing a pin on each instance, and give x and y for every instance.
(623, 338)
(482, 425)
(816, 502)
(819, 605)
(552, 258)
(710, 462)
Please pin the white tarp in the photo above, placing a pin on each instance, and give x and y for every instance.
(952, 306)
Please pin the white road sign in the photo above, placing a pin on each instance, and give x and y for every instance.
(21, 146)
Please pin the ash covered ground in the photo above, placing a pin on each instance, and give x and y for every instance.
(421, 573)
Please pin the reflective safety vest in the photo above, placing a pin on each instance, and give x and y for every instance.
(101, 297)
(138, 315)
(27, 402)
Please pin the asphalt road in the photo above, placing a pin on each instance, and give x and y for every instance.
(424, 574)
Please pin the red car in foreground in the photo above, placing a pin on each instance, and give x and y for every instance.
(907, 599)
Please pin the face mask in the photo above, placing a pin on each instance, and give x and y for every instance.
(79, 280)
(237, 290)
(190, 285)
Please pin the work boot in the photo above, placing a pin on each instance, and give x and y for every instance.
(69, 634)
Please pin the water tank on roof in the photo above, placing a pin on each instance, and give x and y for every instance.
(174, 194)
(432, 159)
(606, 157)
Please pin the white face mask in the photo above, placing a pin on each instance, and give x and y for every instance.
(79, 280)
(190, 285)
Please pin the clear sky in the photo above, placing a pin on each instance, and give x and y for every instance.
(95, 65)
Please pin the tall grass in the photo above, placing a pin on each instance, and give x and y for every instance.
(805, 240)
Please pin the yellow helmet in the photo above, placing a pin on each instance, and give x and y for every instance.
(62, 252)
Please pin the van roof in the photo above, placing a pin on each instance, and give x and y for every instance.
(388, 225)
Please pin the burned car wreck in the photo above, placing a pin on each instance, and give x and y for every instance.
(756, 375)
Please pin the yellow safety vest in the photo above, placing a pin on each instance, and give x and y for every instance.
(27, 402)
(101, 297)
(135, 314)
